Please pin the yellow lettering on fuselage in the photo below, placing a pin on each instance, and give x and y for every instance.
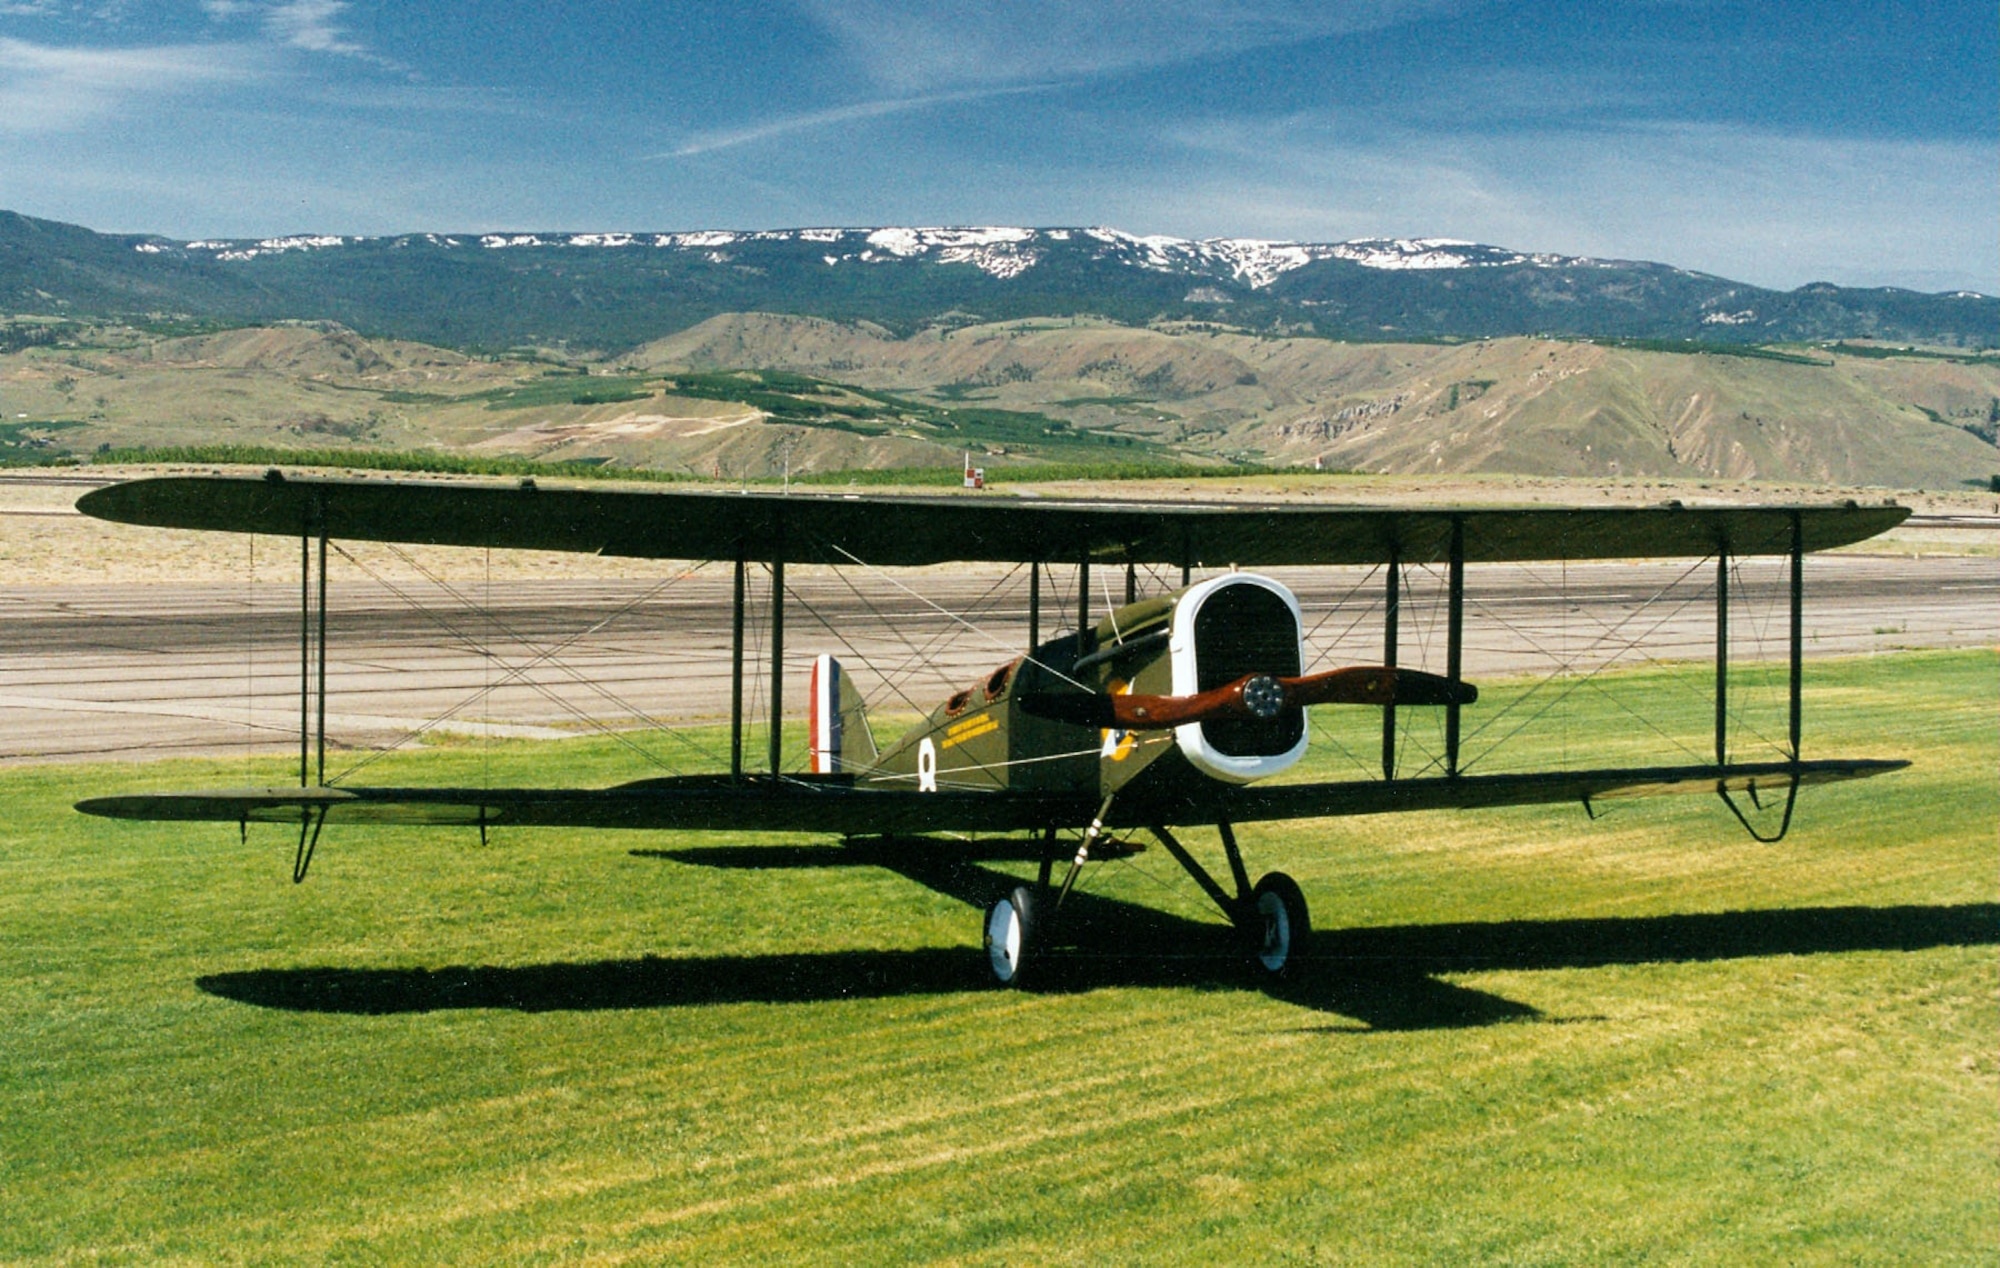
(970, 729)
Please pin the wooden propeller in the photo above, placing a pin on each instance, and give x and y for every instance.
(1253, 696)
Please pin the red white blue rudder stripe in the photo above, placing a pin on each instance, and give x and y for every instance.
(824, 715)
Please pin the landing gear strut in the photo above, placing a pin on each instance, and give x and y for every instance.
(1011, 923)
(1271, 915)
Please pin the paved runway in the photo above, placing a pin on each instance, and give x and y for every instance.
(89, 672)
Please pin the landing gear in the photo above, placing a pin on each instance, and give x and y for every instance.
(1271, 915)
(1278, 924)
(1010, 929)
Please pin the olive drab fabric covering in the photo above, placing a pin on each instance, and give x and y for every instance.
(910, 531)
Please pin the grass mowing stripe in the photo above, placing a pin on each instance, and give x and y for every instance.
(1529, 1037)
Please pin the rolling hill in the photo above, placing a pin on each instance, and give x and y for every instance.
(750, 395)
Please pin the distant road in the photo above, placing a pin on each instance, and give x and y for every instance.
(89, 672)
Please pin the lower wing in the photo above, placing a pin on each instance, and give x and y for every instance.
(835, 806)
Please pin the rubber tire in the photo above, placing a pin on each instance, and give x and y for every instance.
(1280, 926)
(1009, 935)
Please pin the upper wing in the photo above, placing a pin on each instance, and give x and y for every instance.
(821, 528)
(793, 805)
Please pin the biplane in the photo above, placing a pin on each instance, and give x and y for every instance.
(1166, 711)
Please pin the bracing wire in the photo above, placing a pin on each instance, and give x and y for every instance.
(1312, 636)
(1568, 664)
(1321, 650)
(893, 681)
(520, 672)
(922, 655)
(914, 656)
(1423, 633)
(953, 616)
(1761, 617)
(1608, 639)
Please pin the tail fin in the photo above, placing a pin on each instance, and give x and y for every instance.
(841, 740)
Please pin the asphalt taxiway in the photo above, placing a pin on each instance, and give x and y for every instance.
(91, 672)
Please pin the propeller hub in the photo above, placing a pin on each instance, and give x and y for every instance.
(1263, 696)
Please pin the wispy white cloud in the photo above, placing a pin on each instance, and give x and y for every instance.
(44, 88)
(312, 25)
(730, 138)
(915, 45)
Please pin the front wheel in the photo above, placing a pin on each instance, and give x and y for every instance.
(1279, 926)
(1010, 926)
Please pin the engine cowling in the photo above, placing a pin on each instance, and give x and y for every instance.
(1222, 629)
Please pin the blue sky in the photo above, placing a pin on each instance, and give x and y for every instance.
(1773, 142)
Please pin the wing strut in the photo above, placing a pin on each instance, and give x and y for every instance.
(1722, 655)
(736, 672)
(1798, 622)
(312, 651)
(1392, 608)
(777, 659)
(1796, 685)
(1454, 644)
(1034, 605)
(1083, 603)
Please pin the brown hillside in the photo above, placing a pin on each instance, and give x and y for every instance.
(1506, 406)
(1521, 406)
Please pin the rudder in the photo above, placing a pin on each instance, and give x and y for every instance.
(838, 720)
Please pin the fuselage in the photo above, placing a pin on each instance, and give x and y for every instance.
(1179, 644)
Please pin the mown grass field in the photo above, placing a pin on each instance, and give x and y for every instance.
(1520, 1037)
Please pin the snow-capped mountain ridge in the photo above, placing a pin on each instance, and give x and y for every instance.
(1001, 251)
(617, 289)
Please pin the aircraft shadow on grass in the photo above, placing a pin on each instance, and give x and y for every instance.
(1387, 978)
